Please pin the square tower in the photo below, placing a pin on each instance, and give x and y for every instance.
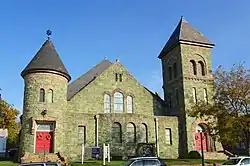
(187, 77)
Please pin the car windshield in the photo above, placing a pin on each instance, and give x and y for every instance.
(128, 163)
(231, 162)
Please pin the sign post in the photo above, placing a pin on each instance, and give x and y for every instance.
(106, 153)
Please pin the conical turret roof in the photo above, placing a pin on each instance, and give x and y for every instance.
(187, 33)
(46, 60)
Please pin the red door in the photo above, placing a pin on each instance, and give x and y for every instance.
(198, 139)
(44, 141)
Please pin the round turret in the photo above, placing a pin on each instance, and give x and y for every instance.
(45, 102)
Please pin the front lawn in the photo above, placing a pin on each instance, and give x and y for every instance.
(7, 163)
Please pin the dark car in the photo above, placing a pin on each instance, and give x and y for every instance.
(145, 161)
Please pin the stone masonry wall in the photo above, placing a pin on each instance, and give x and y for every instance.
(32, 108)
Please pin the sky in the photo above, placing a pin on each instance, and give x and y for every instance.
(84, 32)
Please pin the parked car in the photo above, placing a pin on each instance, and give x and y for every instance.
(237, 161)
(41, 164)
(145, 161)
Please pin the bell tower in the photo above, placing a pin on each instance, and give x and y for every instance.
(187, 77)
(45, 102)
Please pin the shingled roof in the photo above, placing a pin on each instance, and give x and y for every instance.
(87, 78)
(46, 60)
(184, 32)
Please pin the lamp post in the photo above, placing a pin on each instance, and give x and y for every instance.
(202, 152)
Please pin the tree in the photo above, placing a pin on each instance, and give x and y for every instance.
(228, 114)
(8, 121)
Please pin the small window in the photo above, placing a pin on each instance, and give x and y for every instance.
(201, 68)
(50, 96)
(42, 95)
(169, 73)
(120, 77)
(205, 95)
(82, 133)
(129, 104)
(175, 70)
(107, 104)
(177, 97)
(170, 100)
(168, 135)
(193, 67)
(116, 77)
(194, 95)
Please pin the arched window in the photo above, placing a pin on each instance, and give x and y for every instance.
(131, 133)
(50, 96)
(193, 67)
(116, 132)
(144, 133)
(107, 102)
(205, 95)
(169, 73)
(175, 70)
(118, 102)
(42, 95)
(194, 95)
(201, 68)
(170, 100)
(129, 104)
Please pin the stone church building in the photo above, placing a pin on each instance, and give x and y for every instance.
(108, 105)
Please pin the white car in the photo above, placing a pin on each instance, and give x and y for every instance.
(237, 161)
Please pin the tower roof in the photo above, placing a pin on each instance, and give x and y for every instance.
(46, 60)
(185, 32)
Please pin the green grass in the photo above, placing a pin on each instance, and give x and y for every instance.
(7, 163)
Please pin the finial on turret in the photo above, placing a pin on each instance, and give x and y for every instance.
(49, 33)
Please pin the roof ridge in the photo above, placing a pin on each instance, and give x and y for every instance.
(86, 78)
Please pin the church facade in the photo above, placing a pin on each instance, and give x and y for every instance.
(108, 105)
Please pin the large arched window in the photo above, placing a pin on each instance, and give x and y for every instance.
(143, 137)
(201, 68)
(50, 96)
(116, 132)
(131, 133)
(107, 103)
(129, 104)
(118, 102)
(193, 67)
(169, 73)
(42, 95)
(175, 70)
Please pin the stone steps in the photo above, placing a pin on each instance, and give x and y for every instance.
(42, 158)
(215, 155)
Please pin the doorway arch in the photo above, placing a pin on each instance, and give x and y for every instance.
(201, 137)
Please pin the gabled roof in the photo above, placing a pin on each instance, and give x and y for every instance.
(184, 32)
(46, 60)
(87, 78)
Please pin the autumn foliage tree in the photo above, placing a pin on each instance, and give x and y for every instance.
(8, 117)
(229, 112)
